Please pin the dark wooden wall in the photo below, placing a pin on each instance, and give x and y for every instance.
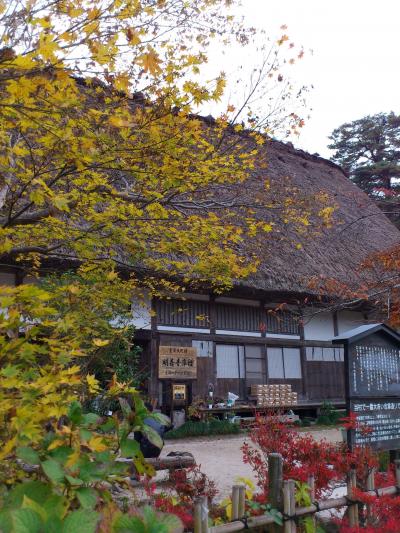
(325, 380)
(320, 380)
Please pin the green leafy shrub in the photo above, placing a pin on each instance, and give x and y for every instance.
(384, 461)
(324, 420)
(329, 416)
(200, 429)
(62, 483)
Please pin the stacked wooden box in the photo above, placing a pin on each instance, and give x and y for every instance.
(274, 395)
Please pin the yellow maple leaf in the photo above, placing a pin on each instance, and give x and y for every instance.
(96, 444)
(56, 444)
(47, 47)
(150, 62)
(93, 384)
(100, 342)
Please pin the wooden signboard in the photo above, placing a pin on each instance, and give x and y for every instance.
(382, 417)
(372, 380)
(177, 362)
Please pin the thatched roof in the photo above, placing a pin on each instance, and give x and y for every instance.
(359, 228)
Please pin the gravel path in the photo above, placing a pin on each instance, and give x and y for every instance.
(221, 457)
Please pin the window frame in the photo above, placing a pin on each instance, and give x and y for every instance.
(283, 366)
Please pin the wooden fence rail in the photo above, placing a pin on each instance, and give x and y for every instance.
(284, 500)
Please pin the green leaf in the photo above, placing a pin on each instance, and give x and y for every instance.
(276, 515)
(108, 426)
(31, 504)
(75, 413)
(90, 419)
(56, 506)
(28, 455)
(129, 448)
(35, 490)
(153, 436)
(53, 470)
(53, 525)
(61, 454)
(26, 521)
(81, 521)
(128, 524)
(163, 419)
(171, 522)
(74, 481)
(87, 497)
(140, 409)
(5, 521)
(85, 434)
(125, 407)
(90, 472)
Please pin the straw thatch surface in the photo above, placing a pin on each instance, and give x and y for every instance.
(359, 228)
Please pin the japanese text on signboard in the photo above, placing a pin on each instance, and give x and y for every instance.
(375, 371)
(177, 362)
(379, 423)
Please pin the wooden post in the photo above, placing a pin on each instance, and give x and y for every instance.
(289, 505)
(204, 514)
(242, 500)
(370, 486)
(353, 507)
(235, 502)
(275, 484)
(311, 484)
(197, 516)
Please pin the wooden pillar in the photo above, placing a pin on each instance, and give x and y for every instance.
(353, 507)
(303, 357)
(275, 486)
(311, 485)
(197, 516)
(263, 320)
(213, 324)
(153, 385)
(370, 486)
(289, 505)
(235, 502)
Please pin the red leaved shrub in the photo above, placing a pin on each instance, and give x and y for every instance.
(329, 464)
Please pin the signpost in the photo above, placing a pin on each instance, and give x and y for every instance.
(177, 362)
(372, 383)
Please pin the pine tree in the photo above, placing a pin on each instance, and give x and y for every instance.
(369, 150)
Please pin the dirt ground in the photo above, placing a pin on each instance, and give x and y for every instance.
(221, 458)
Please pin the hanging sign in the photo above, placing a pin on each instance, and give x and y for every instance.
(177, 362)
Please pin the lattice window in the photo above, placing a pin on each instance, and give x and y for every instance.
(283, 322)
(238, 318)
(183, 313)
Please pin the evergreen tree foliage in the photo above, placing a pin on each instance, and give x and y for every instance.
(369, 150)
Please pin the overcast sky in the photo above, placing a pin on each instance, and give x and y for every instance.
(354, 67)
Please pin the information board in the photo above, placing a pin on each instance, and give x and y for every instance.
(374, 370)
(379, 423)
(177, 362)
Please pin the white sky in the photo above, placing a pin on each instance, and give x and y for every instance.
(354, 67)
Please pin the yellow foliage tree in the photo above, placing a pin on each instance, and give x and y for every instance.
(105, 169)
(104, 166)
(91, 168)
